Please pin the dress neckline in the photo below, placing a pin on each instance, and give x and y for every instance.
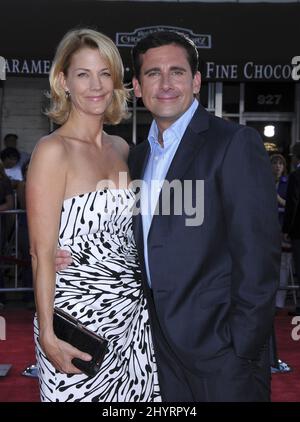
(104, 190)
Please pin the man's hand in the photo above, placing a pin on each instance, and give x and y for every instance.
(281, 201)
(62, 259)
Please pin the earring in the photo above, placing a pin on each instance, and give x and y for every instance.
(68, 95)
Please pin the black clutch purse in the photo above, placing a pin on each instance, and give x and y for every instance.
(70, 330)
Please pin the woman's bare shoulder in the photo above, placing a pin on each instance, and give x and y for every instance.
(48, 167)
(52, 145)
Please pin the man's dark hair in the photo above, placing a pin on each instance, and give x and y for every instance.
(10, 135)
(159, 39)
(296, 150)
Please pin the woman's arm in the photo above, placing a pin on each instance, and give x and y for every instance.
(45, 189)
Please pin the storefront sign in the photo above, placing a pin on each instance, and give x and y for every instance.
(129, 39)
(248, 71)
(269, 97)
(213, 71)
(254, 49)
(27, 67)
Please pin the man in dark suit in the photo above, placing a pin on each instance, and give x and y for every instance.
(210, 283)
(291, 223)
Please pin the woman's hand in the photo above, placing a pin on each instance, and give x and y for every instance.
(61, 354)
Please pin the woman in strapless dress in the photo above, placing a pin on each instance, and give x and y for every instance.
(76, 201)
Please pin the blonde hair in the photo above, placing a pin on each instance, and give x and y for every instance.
(72, 42)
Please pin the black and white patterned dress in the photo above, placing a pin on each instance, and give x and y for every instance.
(102, 288)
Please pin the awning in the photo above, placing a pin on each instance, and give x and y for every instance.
(236, 41)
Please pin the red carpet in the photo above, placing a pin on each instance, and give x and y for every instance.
(18, 350)
(286, 386)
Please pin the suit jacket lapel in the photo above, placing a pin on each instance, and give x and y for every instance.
(141, 152)
(192, 141)
(141, 159)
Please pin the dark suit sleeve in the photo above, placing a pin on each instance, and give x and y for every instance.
(292, 202)
(250, 208)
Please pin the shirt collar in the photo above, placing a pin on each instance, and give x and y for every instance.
(176, 130)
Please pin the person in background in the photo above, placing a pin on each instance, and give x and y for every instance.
(278, 163)
(21, 195)
(10, 158)
(31, 370)
(26, 273)
(11, 141)
(6, 191)
(279, 170)
(281, 180)
(6, 203)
